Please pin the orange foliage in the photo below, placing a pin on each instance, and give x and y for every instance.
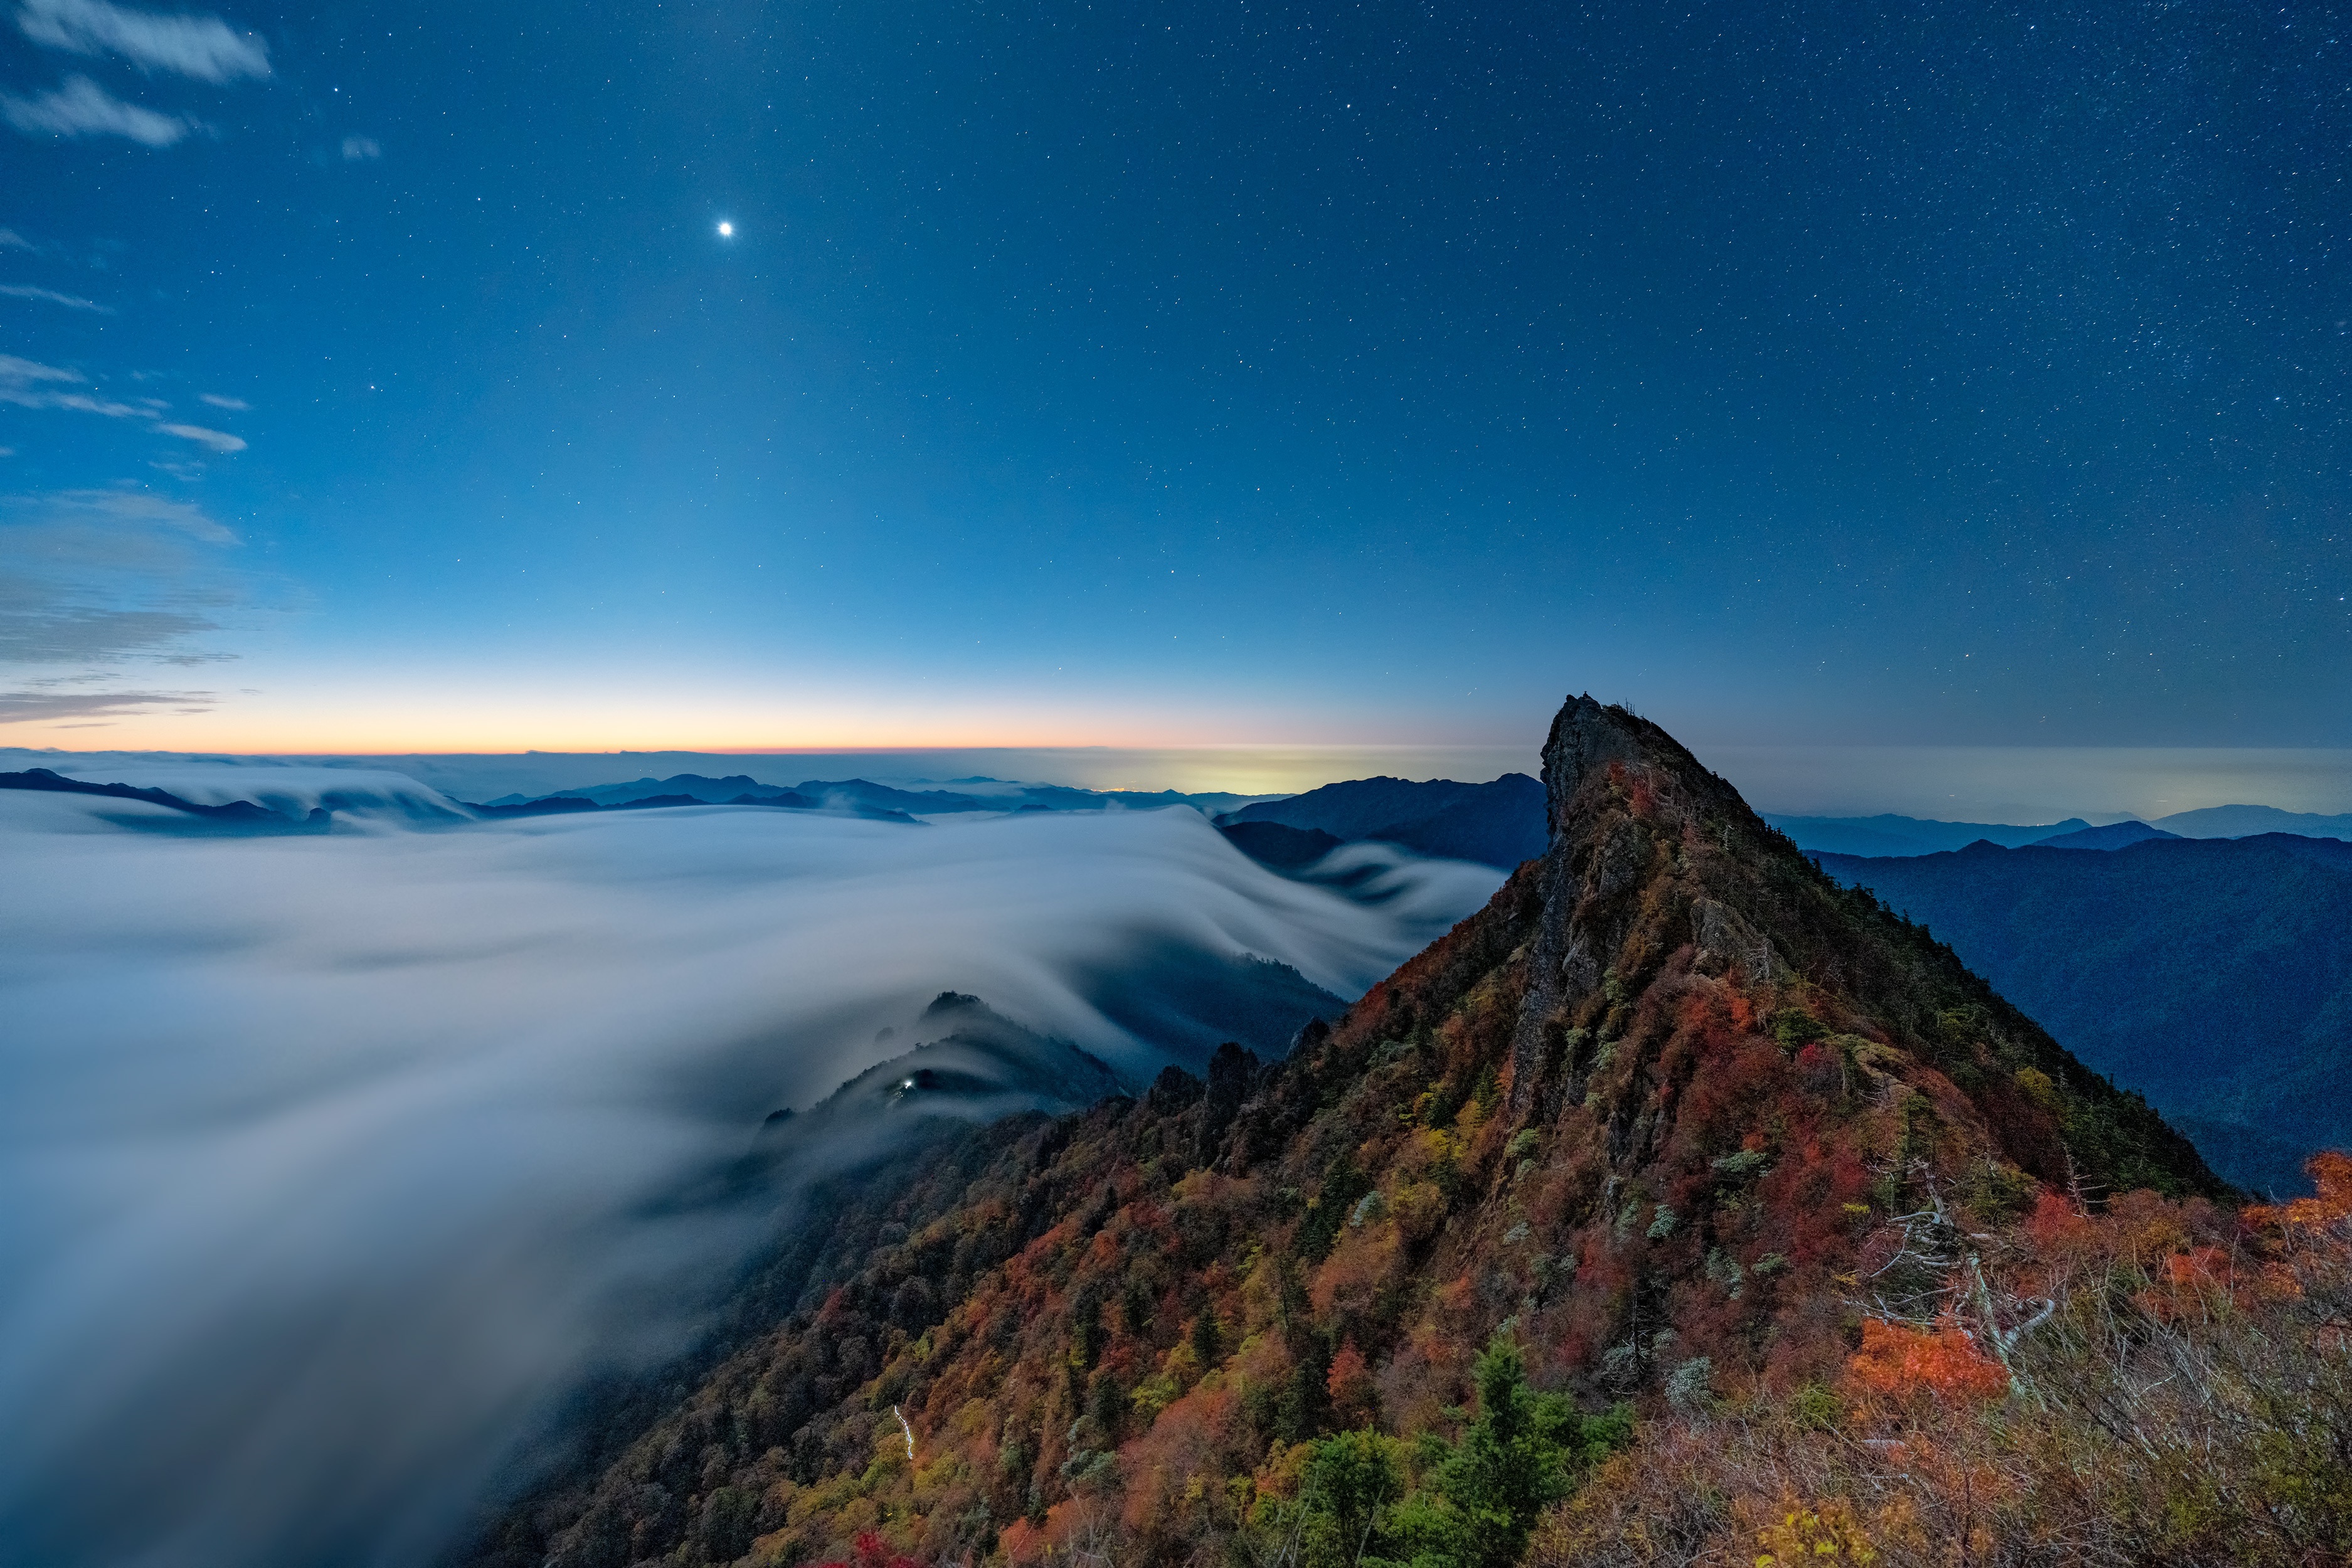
(1202, 1435)
(1022, 1543)
(1355, 1400)
(1364, 1261)
(1944, 1361)
(2331, 1173)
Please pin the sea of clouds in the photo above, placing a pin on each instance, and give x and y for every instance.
(331, 1164)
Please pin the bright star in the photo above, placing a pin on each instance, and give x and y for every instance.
(726, 231)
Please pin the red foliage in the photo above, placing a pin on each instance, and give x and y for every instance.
(872, 1552)
(2054, 1224)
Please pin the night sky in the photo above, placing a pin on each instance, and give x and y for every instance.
(379, 378)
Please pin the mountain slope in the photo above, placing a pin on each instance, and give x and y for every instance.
(1654, 1114)
(1496, 824)
(2214, 975)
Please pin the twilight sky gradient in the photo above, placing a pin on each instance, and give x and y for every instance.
(376, 377)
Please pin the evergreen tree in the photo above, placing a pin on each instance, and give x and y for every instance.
(1510, 1464)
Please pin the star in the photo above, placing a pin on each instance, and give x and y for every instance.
(726, 231)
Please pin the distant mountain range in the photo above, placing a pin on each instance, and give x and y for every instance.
(1498, 823)
(1889, 835)
(2113, 836)
(864, 796)
(2213, 975)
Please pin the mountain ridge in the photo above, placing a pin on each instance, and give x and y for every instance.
(1498, 823)
(1641, 1115)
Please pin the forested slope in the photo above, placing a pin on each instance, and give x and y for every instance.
(2214, 975)
(1677, 1160)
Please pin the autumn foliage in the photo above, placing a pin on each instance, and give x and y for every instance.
(1679, 1206)
(870, 1551)
(1941, 1361)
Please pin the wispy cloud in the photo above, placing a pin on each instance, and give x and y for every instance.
(11, 240)
(82, 108)
(22, 372)
(220, 441)
(28, 706)
(99, 577)
(51, 634)
(234, 405)
(28, 384)
(358, 149)
(204, 47)
(115, 510)
(70, 301)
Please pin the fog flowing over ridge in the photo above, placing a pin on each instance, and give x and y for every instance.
(330, 1162)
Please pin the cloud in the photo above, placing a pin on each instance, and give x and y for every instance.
(11, 240)
(28, 384)
(82, 108)
(19, 373)
(70, 301)
(34, 706)
(370, 1153)
(85, 403)
(234, 405)
(204, 47)
(357, 148)
(101, 577)
(218, 440)
(43, 633)
(115, 510)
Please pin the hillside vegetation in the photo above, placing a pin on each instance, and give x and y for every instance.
(1679, 1206)
(2215, 975)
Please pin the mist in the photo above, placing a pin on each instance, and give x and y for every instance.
(333, 1162)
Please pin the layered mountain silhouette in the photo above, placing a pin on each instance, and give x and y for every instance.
(1278, 847)
(2113, 835)
(237, 813)
(243, 818)
(1887, 834)
(690, 791)
(2215, 975)
(1662, 1120)
(864, 796)
(1498, 823)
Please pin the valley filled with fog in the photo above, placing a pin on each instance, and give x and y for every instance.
(334, 1161)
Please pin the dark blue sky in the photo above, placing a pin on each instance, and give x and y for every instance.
(1155, 374)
